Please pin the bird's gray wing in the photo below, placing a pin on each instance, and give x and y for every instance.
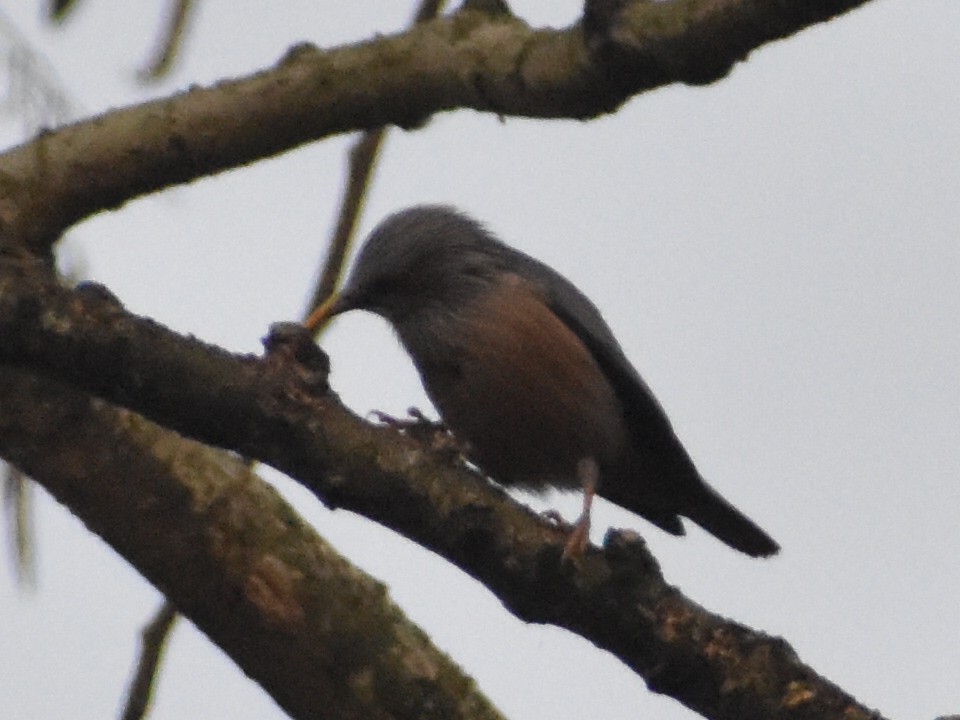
(670, 482)
(643, 412)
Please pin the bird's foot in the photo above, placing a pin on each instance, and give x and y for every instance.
(436, 435)
(415, 419)
(589, 473)
(577, 541)
(557, 520)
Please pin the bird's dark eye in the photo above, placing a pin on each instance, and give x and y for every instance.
(473, 271)
(477, 270)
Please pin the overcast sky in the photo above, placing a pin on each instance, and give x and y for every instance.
(777, 253)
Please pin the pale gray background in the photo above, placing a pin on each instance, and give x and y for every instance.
(777, 253)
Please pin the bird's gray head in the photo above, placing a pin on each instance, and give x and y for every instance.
(427, 258)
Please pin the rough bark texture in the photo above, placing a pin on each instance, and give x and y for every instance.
(279, 409)
(321, 637)
(471, 59)
(224, 548)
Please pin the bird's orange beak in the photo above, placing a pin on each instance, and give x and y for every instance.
(322, 313)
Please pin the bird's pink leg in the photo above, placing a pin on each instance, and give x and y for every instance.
(589, 474)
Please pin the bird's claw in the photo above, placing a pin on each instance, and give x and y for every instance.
(577, 541)
(430, 432)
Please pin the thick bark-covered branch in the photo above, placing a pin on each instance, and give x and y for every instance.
(493, 63)
(279, 410)
(321, 637)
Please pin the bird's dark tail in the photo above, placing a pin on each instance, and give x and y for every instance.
(722, 520)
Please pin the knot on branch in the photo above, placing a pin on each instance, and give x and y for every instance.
(291, 345)
(643, 44)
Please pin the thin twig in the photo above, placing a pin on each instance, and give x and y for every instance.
(16, 499)
(171, 43)
(363, 157)
(59, 9)
(428, 10)
(154, 637)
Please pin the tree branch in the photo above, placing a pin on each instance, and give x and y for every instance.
(153, 641)
(362, 159)
(321, 637)
(170, 43)
(279, 409)
(16, 505)
(471, 59)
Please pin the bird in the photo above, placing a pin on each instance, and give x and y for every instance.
(528, 376)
